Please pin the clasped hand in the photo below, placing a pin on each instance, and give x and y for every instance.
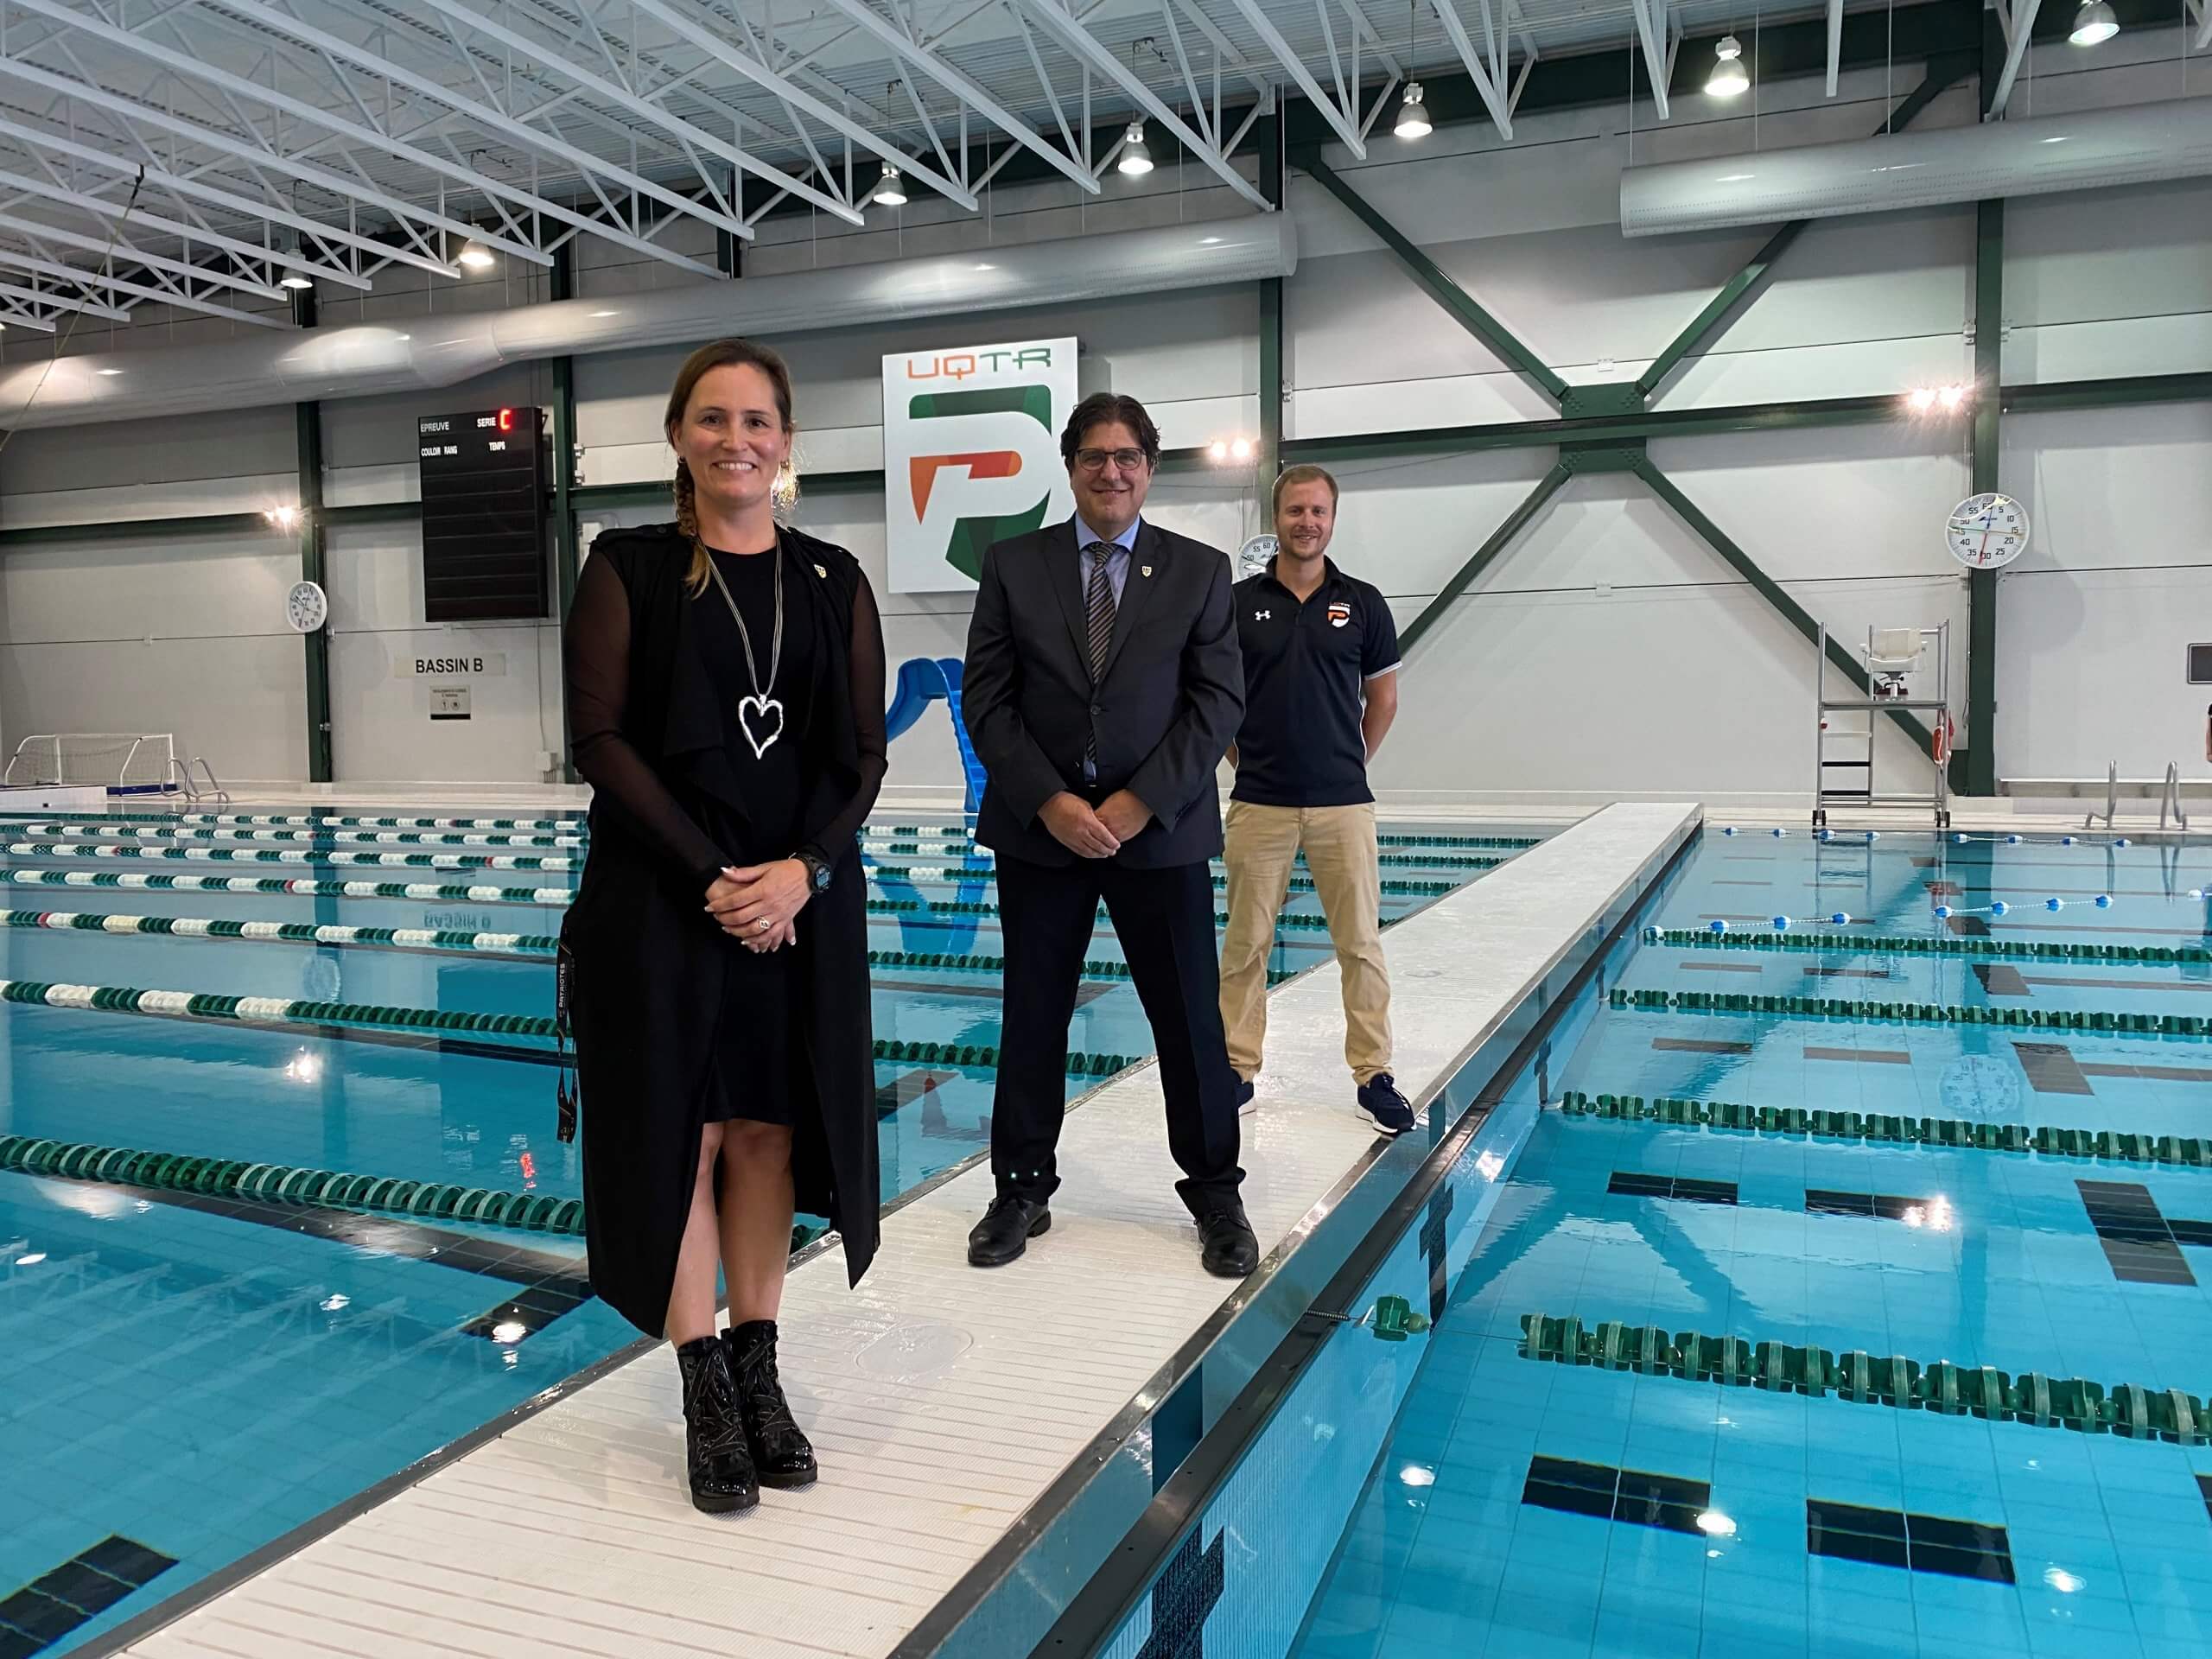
(759, 905)
(1098, 834)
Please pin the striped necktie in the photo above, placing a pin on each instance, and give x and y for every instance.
(1099, 601)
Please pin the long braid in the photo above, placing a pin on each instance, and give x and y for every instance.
(687, 525)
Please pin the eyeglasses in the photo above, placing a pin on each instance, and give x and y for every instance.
(1094, 460)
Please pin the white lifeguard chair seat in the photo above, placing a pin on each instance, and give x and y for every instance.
(1894, 650)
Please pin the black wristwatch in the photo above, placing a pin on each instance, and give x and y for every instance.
(817, 869)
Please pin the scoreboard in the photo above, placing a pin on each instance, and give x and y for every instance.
(484, 483)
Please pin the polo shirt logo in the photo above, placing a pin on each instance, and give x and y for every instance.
(1339, 614)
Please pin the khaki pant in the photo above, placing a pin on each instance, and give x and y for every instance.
(1343, 856)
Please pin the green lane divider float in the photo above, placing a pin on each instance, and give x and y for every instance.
(162, 882)
(291, 1011)
(2128, 1411)
(416, 938)
(294, 855)
(989, 873)
(977, 961)
(1916, 1013)
(1909, 944)
(237, 1178)
(982, 907)
(1881, 1130)
(138, 832)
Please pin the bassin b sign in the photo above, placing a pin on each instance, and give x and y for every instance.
(971, 454)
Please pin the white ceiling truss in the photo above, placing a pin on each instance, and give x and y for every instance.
(337, 140)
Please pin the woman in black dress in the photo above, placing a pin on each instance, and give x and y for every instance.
(726, 679)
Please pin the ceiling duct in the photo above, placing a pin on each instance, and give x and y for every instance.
(358, 360)
(2135, 145)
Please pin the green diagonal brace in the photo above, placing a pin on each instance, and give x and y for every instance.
(1546, 486)
(1768, 589)
(1439, 285)
(1942, 73)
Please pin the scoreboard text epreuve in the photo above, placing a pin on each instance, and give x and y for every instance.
(484, 481)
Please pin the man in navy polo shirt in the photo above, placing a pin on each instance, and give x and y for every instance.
(1320, 690)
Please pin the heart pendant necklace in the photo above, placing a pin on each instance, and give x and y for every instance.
(760, 708)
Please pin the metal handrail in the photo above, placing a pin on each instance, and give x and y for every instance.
(222, 796)
(2111, 798)
(2170, 799)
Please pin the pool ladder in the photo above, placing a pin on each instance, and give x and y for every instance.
(180, 775)
(2172, 814)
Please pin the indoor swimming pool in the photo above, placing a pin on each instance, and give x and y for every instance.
(1870, 1321)
(215, 1016)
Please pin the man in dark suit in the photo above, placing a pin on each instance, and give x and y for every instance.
(1103, 683)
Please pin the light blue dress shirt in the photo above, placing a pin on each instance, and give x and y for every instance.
(1117, 562)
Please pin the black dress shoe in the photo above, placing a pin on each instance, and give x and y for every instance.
(1231, 1251)
(716, 1456)
(782, 1456)
(1006, 1229)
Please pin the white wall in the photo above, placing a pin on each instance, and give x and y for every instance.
(1608, 649)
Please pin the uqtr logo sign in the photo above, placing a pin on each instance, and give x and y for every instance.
(971, 454)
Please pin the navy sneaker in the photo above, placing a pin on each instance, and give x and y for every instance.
(1380, 1103)
(1246, 1105)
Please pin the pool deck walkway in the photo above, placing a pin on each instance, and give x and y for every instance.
(942, 1400)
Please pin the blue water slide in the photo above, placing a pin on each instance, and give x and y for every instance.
(922, 681)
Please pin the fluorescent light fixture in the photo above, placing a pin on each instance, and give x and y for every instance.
(475, 256)
(1413, 115)
(295, 279)
(888, 190)
(1136, 160)
(1729, 77)
(2094, 24)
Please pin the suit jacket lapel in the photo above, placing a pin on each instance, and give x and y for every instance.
(1064, 568)
(1150, 555)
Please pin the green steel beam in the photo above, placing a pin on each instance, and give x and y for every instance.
(1768, 588)
(2118, 392)
(1437, 284)
(566, 553)
(1654, 423)
(1483, 557)
(1942, 73)
(1269, 463)
(1978, 755)
(307, 426)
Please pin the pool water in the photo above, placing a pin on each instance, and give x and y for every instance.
(184, 1378)
(1529, 1502)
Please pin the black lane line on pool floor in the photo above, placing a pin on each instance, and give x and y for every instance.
(551, 1284)
(57, 1603)
(2142, 1244)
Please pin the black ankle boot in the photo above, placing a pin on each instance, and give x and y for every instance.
(718, 1459)
(780, 1452)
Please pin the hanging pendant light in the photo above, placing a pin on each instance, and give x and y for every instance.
(1412, 115)
(2094, 24)
(1729, 77)
(1136, 160)
(475, 256)
(1412, 112)
(888, 189)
